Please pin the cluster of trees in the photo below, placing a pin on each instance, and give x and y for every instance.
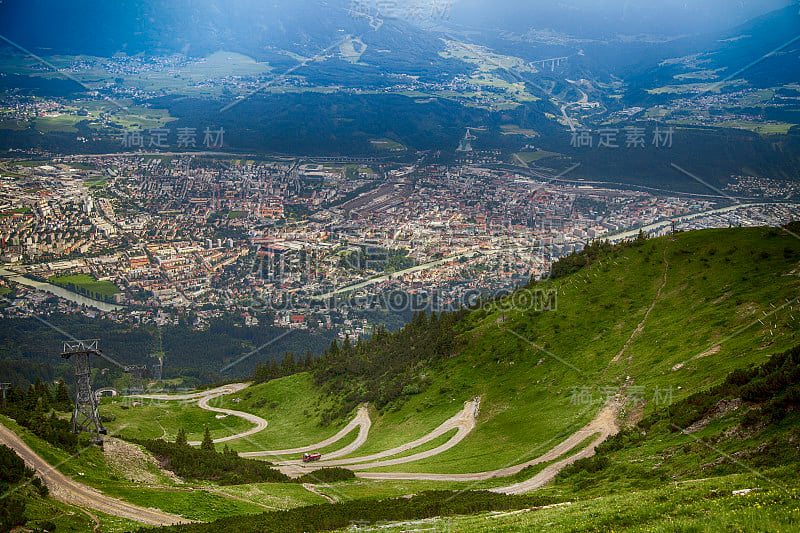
(388, 367)
(591, 253)
(326, 517)
(35, 408)
(40, 394)
(13, 473)
(288, 366)
(326, 475)
(225, 468)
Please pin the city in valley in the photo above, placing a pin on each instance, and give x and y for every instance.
(301, 244)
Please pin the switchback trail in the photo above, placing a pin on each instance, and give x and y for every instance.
(204, 397)
(463, 421)
(361, 421)
(640, 327)
(604, 423)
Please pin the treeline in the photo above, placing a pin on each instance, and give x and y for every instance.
(326, 517)
(288, 366)
(35, 408)
(30, 349)
(94, 295)
(388, 367)
(225, 468)
(39, 394)
(591, 253)
(14, 474)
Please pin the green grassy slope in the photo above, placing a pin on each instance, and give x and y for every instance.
(291, 405)
(538, 371)
(153, 419)
(543, 374)
(724, 459)
(706, 506)
(197, 501)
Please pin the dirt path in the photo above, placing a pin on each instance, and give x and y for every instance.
(605, 423)
(640, 327)
(92, 517)
(361, 420)
(464, 421)
(311, 488)
(204, 397)
(224, 389)
(71, 492)
(260, 423)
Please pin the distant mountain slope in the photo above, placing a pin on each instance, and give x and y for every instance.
(603, 20)
(765, 52)
(281, 33)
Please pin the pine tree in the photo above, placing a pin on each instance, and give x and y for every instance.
(274, 370)
(229, 451)
(30, 398)
(287, 367)
(207, 443)
(181, 438)
(62, 399)
(333, 349)
(346, 346)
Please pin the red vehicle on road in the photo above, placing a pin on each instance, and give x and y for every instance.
(308, 457)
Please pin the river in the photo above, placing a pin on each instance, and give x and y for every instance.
(61, 292)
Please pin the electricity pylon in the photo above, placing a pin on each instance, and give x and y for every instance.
(85, 416)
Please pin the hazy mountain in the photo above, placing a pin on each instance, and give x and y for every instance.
(277, 32)
(764, 51)
(590, 19)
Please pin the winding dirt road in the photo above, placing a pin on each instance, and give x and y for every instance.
(464, 422)
(361, 421)
(204, 397)
(605, 423)
(71, 492)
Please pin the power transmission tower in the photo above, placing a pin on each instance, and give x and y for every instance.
(157, 369)
(4, 387)
(85, 416)
(136, 382)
